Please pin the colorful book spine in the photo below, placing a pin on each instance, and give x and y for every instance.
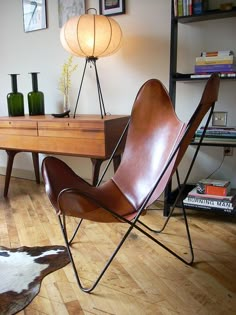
(216, 53)
(214, 60)
(199, 6)
(215, 68)
(180, 7)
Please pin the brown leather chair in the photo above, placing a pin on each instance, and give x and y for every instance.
(155, 144)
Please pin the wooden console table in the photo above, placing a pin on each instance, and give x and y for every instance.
(85, 136)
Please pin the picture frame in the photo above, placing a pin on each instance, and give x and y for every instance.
(111, 7)
(69, 8)
(34, 15)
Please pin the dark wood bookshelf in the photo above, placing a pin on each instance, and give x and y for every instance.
(175, 76)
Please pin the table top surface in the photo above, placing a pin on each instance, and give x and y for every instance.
(47, 117)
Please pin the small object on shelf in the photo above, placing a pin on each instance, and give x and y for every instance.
(213, 187)
(15, 99)
(36, 97)
(62, 115)
(226, 6)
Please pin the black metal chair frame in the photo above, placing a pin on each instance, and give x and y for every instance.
(136, 220)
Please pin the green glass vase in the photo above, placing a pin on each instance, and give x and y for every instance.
(15, 99)
(35, 98)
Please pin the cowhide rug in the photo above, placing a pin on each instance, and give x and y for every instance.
(21, 272)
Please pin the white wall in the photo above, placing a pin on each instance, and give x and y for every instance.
(144, 54)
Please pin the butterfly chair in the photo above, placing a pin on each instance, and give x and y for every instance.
(155, 144)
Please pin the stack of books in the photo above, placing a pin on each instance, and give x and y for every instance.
(190, 7)
(213, 134)
(218, 198)
(222, 62)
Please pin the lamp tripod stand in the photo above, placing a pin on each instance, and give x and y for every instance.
(92, 60)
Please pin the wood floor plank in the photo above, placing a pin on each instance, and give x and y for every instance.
(143, 278)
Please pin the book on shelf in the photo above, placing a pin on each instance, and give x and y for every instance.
(180, 10)
(221, 128)
(205, 206)
(215, 68)
(183, 7)
(228, 198)
(217, 53)
(219, 140)
(216, 130)
(206, 75)
(201, 61)
(213, 187)
(217, 135)
(207, 202)
(199, 6)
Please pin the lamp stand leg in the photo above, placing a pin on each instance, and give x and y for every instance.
(81, 83)
(100, 97)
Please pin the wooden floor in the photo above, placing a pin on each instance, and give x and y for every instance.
(143, 279)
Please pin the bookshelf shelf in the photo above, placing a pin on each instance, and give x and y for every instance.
(186, 77)
(208, 15)
(175, 76)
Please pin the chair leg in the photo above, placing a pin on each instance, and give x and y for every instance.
(62, 222)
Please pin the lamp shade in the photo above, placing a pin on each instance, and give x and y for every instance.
(91, 35)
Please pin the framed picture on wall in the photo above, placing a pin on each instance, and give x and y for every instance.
(111, 7)
(69, 8)
(34, 13)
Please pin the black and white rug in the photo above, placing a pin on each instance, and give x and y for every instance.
(22, 271)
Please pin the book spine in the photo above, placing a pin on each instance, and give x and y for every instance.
(215, 68)
(217, 135)
(180, 7)
(216, 132)
(197, 7)
(175, 8)
(185, 6)
(208, 202)
(217, 140)
(191, 7)
(216, 53)
(212, 197)
(219, 128)
(215, 58)
(202, 207)
(214, 62)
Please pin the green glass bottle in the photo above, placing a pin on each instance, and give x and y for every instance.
(35, 98)
(15, 99)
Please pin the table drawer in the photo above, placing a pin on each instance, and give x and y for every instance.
(65, 129)
(23, 128)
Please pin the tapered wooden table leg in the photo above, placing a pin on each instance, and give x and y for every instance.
(11, 154)
(116, 161)
(96, 169)
(97, 165)
(35, 157)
